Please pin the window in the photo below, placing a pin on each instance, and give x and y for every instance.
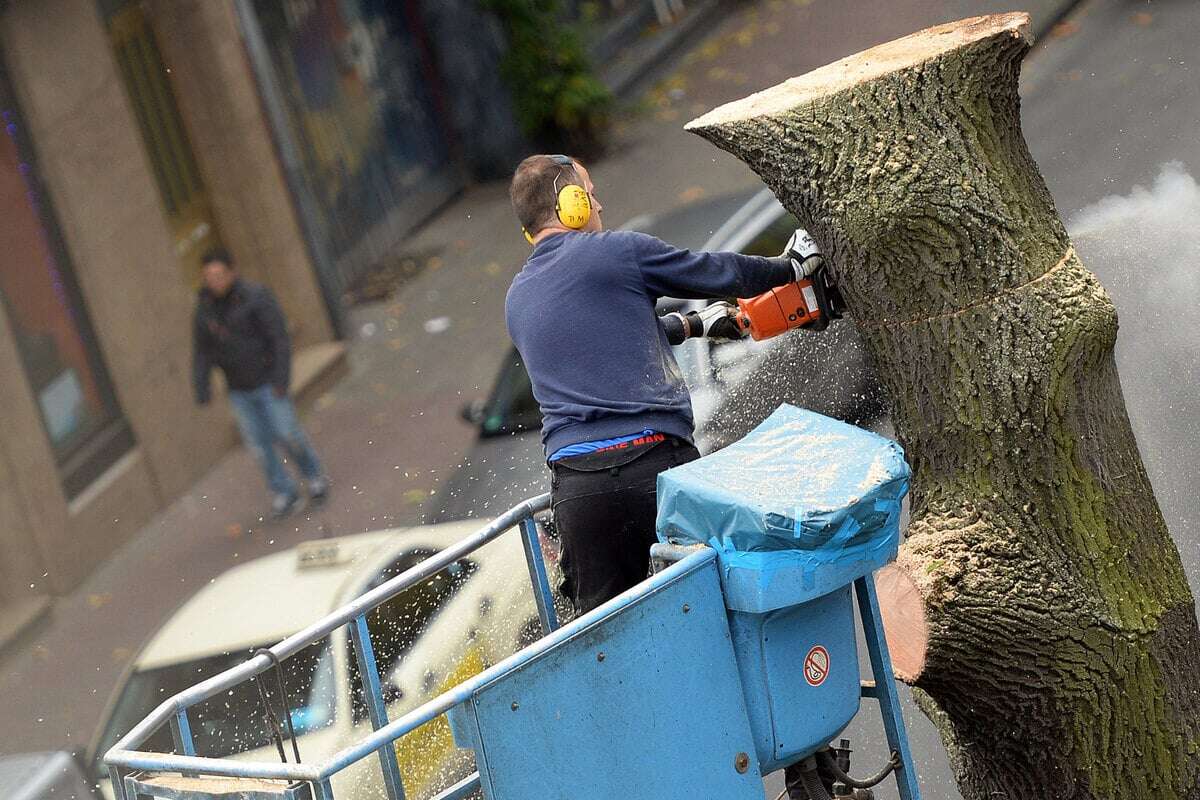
(48, 321)
(233, 721)
(357, 90)
(147, 82)
(512, 407)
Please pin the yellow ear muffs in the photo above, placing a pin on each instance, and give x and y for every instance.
(573, 206)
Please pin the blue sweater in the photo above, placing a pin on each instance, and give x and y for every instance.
(581, 313)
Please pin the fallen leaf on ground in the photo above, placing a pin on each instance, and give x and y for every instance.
(437, 325)
(1064, 29)
(99, 600)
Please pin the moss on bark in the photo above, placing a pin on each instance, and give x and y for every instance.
(1063, 647)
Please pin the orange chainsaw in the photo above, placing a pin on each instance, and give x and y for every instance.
(810, 303)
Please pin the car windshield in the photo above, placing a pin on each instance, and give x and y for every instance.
(511, 407)
(397, 624)
(231, 722)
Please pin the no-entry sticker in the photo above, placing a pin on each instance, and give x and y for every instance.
(816, 666)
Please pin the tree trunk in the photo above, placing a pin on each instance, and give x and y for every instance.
(1044, 607)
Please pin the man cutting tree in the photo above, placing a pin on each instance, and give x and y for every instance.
(615, 409)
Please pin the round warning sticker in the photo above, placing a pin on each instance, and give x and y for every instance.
(816, 666)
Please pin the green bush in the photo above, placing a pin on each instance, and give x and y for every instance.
(558, 100)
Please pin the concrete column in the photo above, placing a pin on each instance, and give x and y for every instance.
(218, 97)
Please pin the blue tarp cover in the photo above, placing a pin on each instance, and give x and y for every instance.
(799, 507)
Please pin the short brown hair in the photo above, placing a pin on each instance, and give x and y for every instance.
(532, 189)
(217, 255)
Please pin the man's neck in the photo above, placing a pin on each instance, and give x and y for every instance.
(552, 230)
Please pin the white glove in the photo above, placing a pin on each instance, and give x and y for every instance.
(719, 321)
(806, 258)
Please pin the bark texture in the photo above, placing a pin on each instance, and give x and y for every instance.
(1062, 655)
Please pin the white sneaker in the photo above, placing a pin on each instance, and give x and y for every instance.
(318, 490)
(284, 504)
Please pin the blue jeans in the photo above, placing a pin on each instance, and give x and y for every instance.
(266, 420)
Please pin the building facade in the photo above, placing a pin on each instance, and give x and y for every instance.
(382, 110)
(133, 138)
(308, 137)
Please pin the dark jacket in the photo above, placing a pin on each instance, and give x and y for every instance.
(244, 335)
(581, 313)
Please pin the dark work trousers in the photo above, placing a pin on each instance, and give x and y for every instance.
(604, 510)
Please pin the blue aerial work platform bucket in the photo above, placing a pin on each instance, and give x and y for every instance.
(738, 661)
(737, 657)
(798, 511)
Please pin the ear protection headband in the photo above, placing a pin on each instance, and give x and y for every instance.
(572, 205)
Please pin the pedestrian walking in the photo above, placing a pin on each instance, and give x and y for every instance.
(239, 329)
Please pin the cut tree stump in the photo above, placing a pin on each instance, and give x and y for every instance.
(1038, 601)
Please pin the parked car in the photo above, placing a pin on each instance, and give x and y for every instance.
(53, 775)
(734, 385)
(427, 639)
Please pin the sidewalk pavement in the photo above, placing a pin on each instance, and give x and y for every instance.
(390, 430)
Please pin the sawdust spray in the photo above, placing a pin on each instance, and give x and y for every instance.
(1145, 247)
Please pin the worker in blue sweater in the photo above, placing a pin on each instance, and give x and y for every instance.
(615, 409)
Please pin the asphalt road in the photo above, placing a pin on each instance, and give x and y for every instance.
(1111, 112)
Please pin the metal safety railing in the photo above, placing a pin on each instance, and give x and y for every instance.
(124, 758)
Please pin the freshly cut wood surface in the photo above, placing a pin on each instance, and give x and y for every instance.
(866, 66)
(903, 613)
(180, 787)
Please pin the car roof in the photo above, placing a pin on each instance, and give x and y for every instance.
(267, 599)
(757, 210)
